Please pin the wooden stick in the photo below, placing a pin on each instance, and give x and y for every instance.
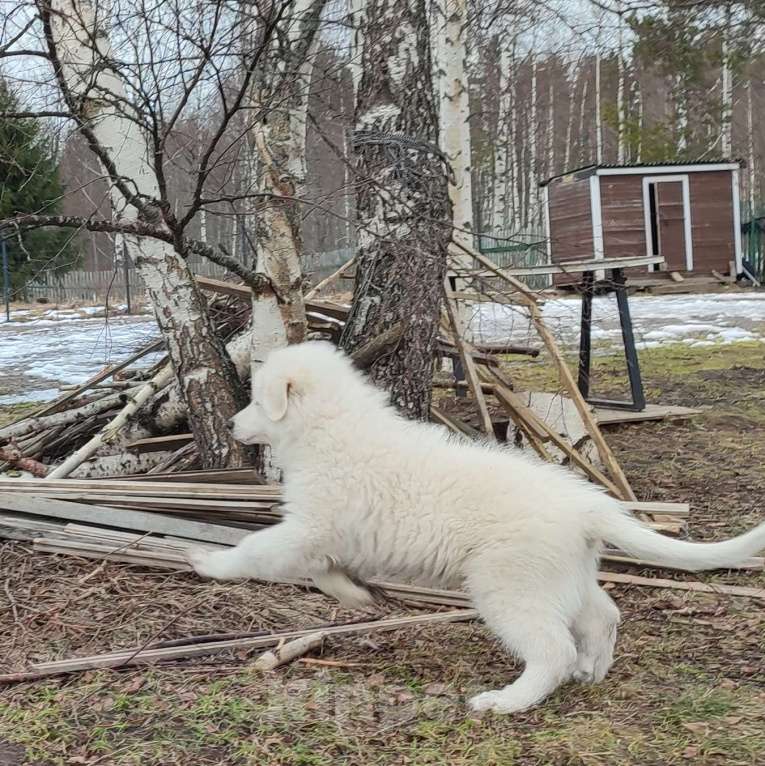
(288, 652)
(566, 377)
(331, 278)
(508, 398)
(699, 587)
(454, 424)
(365, 356)
(136, 656)
(139, 521)
(464, 349)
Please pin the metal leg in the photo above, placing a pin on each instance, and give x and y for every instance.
(630, 352)
(637, 402)
(457, 369)
(585, 334)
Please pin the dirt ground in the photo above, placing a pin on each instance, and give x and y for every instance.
(688, 685)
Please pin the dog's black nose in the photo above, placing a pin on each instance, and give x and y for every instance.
(230, 423)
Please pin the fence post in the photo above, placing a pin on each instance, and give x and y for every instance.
(6, 280)
(126, 272)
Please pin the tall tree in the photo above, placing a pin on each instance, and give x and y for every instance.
(29, 183)
(404, 211)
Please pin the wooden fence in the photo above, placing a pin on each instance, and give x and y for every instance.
(120, 285)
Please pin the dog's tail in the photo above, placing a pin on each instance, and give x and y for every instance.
(624, 531)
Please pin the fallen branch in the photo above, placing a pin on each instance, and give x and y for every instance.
(137, 656)
(365, 356)
(288, 652)
(111, 429)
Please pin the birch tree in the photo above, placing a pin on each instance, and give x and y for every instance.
(404, 211)
(126, 77)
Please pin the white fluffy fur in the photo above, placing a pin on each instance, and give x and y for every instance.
(374, 494)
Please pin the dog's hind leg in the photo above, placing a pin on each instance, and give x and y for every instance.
(594, 629)
(349, 591)
(280, 552)
(533, 629)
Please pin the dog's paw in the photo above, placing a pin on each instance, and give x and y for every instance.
(498, 701)
(483, 701)
(202, 561)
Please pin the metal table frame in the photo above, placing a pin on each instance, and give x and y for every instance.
(637, 403)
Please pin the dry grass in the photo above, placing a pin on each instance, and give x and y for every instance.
(688, 686)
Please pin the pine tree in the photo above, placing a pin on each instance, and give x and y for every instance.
(29, 183)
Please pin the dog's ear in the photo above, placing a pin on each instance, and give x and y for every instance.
(276, 392)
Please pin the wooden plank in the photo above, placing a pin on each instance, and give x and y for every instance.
(331, 278)
(454, 424)
(609, 416)
(243, 292)
(159, 443)
(665, 509)
(157, 488)
(142, 656)
(121, 519)
(699, 587)
(465, 352)
(572, 267)
(207, 476)
(567, 379)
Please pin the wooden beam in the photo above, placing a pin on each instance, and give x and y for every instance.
(566, 377)
(465, 351)
(159, 443)
(574, 267)
(156, 523)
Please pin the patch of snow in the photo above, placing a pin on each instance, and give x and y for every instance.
(44, 395)
(711, 318)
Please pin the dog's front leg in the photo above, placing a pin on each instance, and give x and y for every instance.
(281, 552)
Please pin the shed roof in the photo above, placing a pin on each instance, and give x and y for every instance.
(649, 167)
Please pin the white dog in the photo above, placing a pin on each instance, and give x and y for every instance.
(371, 493)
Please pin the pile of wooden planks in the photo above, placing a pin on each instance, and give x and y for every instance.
(153, 523)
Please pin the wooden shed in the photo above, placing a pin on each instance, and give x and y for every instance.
(689, 214)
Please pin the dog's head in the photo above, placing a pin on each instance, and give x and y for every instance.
(280, 388)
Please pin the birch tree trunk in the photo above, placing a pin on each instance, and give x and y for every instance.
(532, 205)
(80, 50)
(503, 147)
(726, 105)
(598, 116)
(404, 211)
(454, 115)
(620, 101)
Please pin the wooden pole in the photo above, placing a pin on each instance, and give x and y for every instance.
(565, 374)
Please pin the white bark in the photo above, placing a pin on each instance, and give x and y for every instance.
(550, 128)
(598, 117)
(532, 207)
(112, 429)
(450, 58)
(582, 113)
(500, 215)
(573, 82)
(751, 172)
(198, 357)
(620, 101)
(726, 105)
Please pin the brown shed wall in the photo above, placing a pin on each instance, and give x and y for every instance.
(570, 224)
